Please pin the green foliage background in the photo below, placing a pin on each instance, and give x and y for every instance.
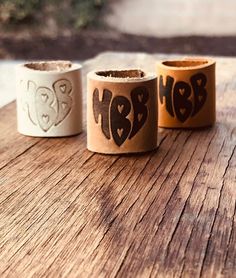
(74, 13)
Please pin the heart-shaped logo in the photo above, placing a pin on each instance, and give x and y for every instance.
(183, 99)
(44, 97)
(120, 117)
(120, 108)
(140, 97)
(199, 82)
(63, 88)
(120, 131)
(200, 98)
(140, 116)
(45, 118)
(64, 105)
(46, 107)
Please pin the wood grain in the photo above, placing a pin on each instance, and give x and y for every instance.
(66, 212)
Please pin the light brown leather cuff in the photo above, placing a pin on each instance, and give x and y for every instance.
(121, 112)
(186, 93)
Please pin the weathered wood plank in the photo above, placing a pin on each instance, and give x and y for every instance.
(169, 213)
(11, 146)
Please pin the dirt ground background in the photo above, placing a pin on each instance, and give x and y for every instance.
(122, 28)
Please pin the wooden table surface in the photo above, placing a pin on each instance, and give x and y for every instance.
(67, 212)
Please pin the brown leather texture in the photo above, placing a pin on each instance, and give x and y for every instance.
(121, 112)
(186, 93)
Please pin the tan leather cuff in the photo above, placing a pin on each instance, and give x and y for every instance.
(49, 99)
(121, 112)
(186, 93)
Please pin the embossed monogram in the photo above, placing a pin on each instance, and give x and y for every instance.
(114, 112)
(48, 107)
(180, 104)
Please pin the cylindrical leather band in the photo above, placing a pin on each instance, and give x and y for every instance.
(49, 98)
(121, 112)
(186, 93)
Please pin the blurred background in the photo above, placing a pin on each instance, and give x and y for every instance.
(80, 29)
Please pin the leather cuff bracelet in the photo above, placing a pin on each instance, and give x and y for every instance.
(121, 112)
(49, 98)
(186, 93)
